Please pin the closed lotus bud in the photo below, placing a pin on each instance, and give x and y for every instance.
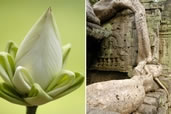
(40, 53)
(33, 74)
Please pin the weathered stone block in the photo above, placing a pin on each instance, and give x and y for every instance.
(162, 110)
(151, 101)
(147, 109)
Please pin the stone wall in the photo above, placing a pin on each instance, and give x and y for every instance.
(119, 51)
(165, 38)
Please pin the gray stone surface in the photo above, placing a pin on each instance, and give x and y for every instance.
(151, 101)
(123, 96)
(167, 82)
(162, 110)
(147, 109)
(154, 103)
(98, 111)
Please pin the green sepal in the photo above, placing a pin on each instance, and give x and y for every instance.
(9, 93)
(37, 96)
(11, 48)
(4, 75)
(79, 79)
(59, 85)
(66, 50)
(7, 66)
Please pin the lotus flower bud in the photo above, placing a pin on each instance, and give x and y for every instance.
(33, 73)
(40, 52)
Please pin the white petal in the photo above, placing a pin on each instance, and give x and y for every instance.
(41, 52)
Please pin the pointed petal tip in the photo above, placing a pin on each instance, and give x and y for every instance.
(19, 68)
(3, 53)
(69, 45)
(48, 12)
(49, 9)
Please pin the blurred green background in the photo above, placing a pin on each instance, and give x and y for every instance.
(16, 19)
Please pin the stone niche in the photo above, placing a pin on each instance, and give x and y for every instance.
(115, 57)
(116, 54)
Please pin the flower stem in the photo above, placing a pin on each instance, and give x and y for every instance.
(31, 109)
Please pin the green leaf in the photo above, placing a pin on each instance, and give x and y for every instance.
(22, 80)
(37, 96)
(57, 86)
(12, 48)
(7, 66)
(66, 50)
(79, 79)
(9, 93)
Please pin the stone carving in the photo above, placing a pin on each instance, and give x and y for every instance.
(123, 96)
(129, 36)
(165, 35)
(113, 7)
